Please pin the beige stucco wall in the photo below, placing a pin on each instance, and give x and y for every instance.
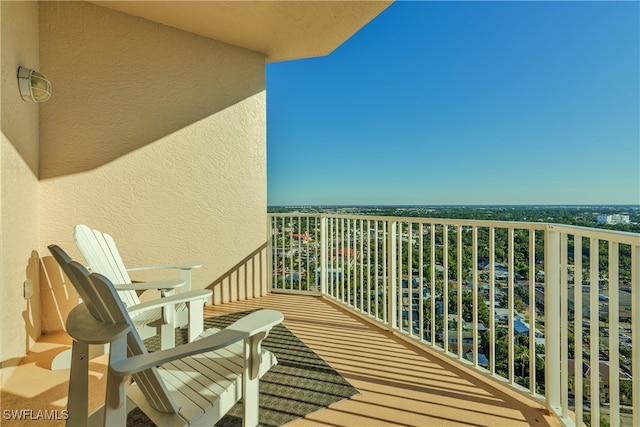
(154, 135)
(19, 205)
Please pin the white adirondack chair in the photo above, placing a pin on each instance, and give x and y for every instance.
(192, 384)
(152, 317)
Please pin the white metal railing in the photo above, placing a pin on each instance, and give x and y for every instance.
(511, 299)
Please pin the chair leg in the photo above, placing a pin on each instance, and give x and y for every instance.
(250, 380)
(167, 334)
(115, 408)
(196, 316)
(78, 397)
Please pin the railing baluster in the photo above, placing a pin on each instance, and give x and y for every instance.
(552, 317)
(392, 256)
(492, 297)
(532, 312)
(594, 331)
(577, 330)
(301, 244)
(350, 264)
(332, 271)
(398, 293)
(361, 265)
(421, 280)
(564, 325)
(291, 253)
(385, 272)
(340, 257)
(270, 252)
(445, 286)
(353, 263)
(324, 261)
(410, 277)
(376, 274)
(459, 294)
(614, 349)
(368, 266)
(284, 254)
(474, 290)
(635, 330)
(432, 265)
(510, 286)
(339, 272)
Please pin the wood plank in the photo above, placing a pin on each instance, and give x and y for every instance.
(191, 403)
(135, 395)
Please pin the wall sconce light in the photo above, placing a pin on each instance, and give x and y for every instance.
(34, 86)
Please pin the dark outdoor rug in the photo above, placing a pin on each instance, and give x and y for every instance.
(301, 382)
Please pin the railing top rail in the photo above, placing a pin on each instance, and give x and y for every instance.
(438, 221)
(598, 233)
(603, 234)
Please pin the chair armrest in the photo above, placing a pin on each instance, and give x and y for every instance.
(83, 327)
(166, 267)
(251, 324)
(172, 300)
(143, 286)
(257, 322)
(185, 271)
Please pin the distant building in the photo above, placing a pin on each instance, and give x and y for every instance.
(482, 359)
(613, 219)
(502, 315)
(343, 253)
(603, 371)
(467, 340)
(301, 237)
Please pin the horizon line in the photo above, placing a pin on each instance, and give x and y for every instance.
(636, 205)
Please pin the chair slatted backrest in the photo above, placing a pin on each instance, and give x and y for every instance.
(104, 305)
(101, 252)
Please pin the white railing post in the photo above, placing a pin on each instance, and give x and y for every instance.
(445, 287)
(474, 304)
(459, 291)
(532, 312)
(614, 349)
(577, 327)
(376, 273)
(392, 273)
(421, 281)
(511, 305)
(552, 320)
(324, 256)
(492, 299)
(432, 282)
(410, 278)
(564, 326)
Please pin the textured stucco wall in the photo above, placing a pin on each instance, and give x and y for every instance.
(284, 30)
(19, 237)
(154, 135)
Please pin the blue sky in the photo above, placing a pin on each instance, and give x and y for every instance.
(463, 103)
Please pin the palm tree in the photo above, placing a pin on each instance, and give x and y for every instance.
(522, 357)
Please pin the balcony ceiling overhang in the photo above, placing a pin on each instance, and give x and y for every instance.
(282, 30)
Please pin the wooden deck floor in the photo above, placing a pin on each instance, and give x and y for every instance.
(399, 384)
